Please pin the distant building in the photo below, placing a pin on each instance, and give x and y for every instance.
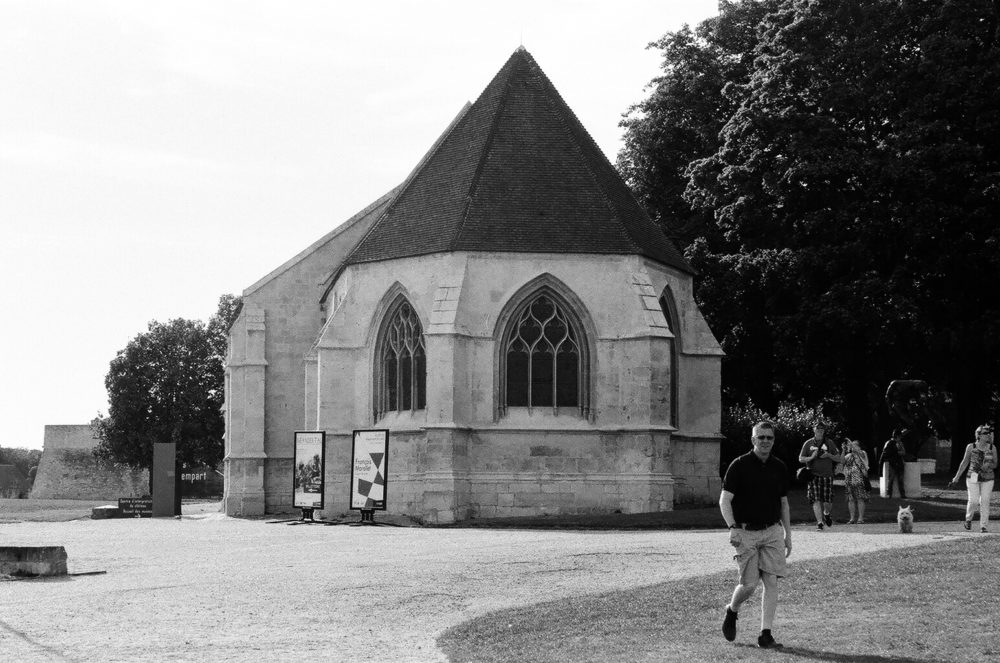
(509, 312)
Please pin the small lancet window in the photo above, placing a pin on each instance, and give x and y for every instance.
(669, 308)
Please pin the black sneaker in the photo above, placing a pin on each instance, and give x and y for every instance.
(968, 525)
(766, 641)
(828, 520)
(729, 624)
(819, 527)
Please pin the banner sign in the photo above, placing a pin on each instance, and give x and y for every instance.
(370, 456)
(309, 469)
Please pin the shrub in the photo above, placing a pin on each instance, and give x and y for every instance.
(792, 427)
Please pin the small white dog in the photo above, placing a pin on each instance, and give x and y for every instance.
(904, 518)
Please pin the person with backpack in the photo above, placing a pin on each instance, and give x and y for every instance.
(981, 460)
(893, 457)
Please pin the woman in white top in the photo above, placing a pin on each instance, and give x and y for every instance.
(981, 460)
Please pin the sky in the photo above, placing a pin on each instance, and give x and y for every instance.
(156, 155)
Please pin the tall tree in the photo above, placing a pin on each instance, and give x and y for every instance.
(851, 189)
(166, 385)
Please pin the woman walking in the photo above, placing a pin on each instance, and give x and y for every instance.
(981, 460)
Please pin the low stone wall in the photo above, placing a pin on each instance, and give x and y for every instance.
(33, 560)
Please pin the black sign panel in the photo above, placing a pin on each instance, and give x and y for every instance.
(135, 507)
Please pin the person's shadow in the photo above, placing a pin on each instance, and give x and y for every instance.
(815, 655)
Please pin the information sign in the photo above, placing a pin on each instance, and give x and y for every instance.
(370, 459)
(135, 507)
(309, 469)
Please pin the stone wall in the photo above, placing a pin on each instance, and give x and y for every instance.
(637, 447)
(69, 470)
(462, 457)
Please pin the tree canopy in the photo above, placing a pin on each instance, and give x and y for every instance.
(166, 385)
(831, 169)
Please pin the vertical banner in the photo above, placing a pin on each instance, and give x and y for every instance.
(309, 469)
(370, 457)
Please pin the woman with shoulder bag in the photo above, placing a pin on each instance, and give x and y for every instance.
(856, 484)
(981, 460)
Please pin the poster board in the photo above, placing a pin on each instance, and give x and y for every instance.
(309, 469)
(369, 469)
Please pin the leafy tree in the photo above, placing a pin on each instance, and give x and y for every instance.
(844, 223)
(219, 324)
(166, 385)
(23, 459)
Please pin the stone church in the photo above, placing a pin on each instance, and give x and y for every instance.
(509, 313)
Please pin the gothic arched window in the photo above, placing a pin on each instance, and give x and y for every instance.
(401, 363)
(544, 357)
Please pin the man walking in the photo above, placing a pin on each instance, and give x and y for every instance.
(754, 503)
(820, 454)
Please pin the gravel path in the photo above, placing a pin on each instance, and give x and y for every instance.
(210, 588)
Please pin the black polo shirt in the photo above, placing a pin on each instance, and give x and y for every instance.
(757, 487)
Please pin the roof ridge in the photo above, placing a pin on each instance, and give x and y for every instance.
(339, 229)
(517, 172)
(404, 185)
(561, 114)
(484, 153)
(568, 118)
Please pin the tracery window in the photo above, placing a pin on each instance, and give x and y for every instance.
(543, 357)
(401, 365)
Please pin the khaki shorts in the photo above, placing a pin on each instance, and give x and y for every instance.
(757, 552)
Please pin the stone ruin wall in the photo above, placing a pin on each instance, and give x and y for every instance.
(69, 470)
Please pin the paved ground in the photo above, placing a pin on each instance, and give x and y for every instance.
(211, 588)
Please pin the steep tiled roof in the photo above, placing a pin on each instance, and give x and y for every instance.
(518, 172)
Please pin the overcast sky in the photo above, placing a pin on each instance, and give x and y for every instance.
(155, 155)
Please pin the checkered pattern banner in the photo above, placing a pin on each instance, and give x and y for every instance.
(368, 471)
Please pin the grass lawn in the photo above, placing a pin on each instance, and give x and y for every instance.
(932, 604)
